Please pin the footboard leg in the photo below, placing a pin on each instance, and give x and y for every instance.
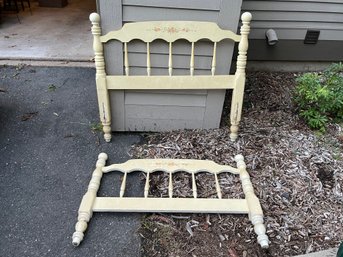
(107, 132)
(255, 210)
(86, 206)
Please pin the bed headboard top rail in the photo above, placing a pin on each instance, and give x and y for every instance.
(170, 31)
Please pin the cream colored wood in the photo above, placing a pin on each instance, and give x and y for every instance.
(191, 66)
(194, 186)
(86, 206)
(102, 92)
(170, 31)
(171, 82)
(126, 60)
(219, 192)
(213, 66)
(146, 187)
(250, 205)
(170, 166)
(255, 210)
(170, 59)
(123, 185)
(171, 205)
(170, 186)
(237, 94)
(148, 62)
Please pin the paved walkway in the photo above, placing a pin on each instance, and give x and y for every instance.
(49, 33)
(47, 154)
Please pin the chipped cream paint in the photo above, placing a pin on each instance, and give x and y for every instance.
(170, 31)
(91, 203)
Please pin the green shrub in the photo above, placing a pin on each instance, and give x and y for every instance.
(319, 96)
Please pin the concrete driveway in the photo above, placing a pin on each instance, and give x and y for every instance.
(47, 154)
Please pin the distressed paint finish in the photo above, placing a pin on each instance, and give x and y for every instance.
(238, 92)
(170, 31)
(249, 205)
(102, 92)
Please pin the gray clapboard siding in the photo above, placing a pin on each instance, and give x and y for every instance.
(291, 19)
(154, 110)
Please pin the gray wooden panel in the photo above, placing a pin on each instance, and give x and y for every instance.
(175, 92)
(157, 99)
(158, 112)
(111, 19)
(177, 4)
(298, 16)
(161, 124)
(297, 25)
(294, 34)
(298, 6)
(322, 51)
(140, 13)
(214, 102)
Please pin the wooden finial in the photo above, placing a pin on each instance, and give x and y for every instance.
(94, 18)
(246, 17)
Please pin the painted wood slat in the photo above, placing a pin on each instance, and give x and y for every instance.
(170, 166)
(173, 82)
(180, 47)
(294, 6)
(132, 204)
(155, 112)
(155, 99)
(170, 32)
(191, 65)
(214, 59)
(176, 4)
(161, 61)
(142, 13)
(170, 59)
(148, 62)
(137, 71)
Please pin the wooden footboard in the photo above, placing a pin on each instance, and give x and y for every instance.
(91, 203)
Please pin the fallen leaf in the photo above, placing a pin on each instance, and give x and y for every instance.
(28, 116)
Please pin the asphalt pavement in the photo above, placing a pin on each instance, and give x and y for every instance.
(48, 148)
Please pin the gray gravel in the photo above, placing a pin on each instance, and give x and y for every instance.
(46, 163)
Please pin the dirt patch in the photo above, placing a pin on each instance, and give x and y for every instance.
(297, 175)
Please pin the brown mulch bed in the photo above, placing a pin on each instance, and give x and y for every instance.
(297, 175)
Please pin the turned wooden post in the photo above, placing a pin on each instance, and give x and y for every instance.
(238, 92)
(102, 91)
(255, 210)
(86, 206)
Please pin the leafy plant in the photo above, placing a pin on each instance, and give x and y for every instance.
(96, 127)
(319, 96)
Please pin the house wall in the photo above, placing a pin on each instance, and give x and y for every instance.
(166, 110)
(291, 19)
